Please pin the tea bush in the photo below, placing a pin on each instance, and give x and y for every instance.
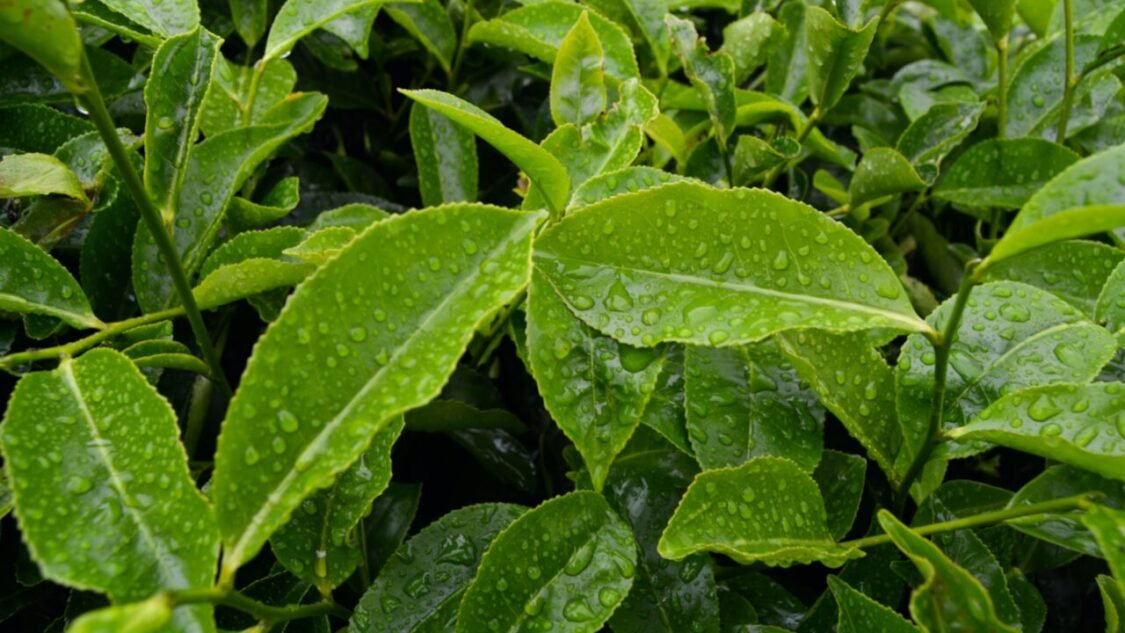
(741, 316)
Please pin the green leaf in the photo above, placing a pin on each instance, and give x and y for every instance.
(471, 259)
(318, 543)
(228, 103)
(161, 17)
(664, 412)
(1002, 173)
(882, 172)
(749, 42)
(711, 74)
(96, 13)
(753, 157)
(35, 283)
(1007, 331)
(251, 263)
(38, 128)
(594, 387)
(766, 510)
(577, 80)
(950, 598)
(420, 587)
(1106, 526)
(428, 21)
(1072, 424)
(108, 428)
(787, 72)
(997, 15)
(835, 55)
(149, 616)
(299, 18)
(747, 402)
(580, 569)
(104, 262)
(214, 170)
(1110, 308)
(276, 204)
(840, 478)
(23, 175)
(535, 30)
(860, 614)
(667, 596)
(180, 77)
(609, 184)
(646, 18)
(708, 255)
(1065, 529)
(391, 516)
(852, 380)
(1063, 225)
(250, 19)
(446, 157)
(938, 132)
(1113, 598)
(544, 170)
(1073, 270)
(45, 31)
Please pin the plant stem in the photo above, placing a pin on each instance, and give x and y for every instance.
(942, 345)
(1002, 87)
(81, 345)
(1070, 79)
(95, 105)
(802, 135)
(267, 614)
(1077, 502)
(466, 22)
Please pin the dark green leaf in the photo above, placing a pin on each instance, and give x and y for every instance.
(165, 18)
(250, 19)
(446, 157)
(1073, 270)
(882, 172)
(45, 31)
(711, 74)
(428, 21)
(835, 55)
(840, 477)
(1110, 308)
(1065, 529)
(1002, 172)
(35, 283)
(860, 614)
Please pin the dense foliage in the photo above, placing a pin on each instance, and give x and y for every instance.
(707, 316)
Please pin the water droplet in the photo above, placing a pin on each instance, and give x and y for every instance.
(781, 260)
(287, 421)
(581, 560)
(79, 485)
(582, 302)
(577, 610)
(250, 456)
(1043, 409)
(609, 597)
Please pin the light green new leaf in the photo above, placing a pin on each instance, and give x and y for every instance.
(754, 156)
(149, 616)
(643, 17)
(446, 157)
(630, 179)
(538, 30)
(594, 387)
(688, 263)
(861, 614)
(250, 19)
(1110, 308)
(23, 175)
(1108, 527)
(215, 169)
(854, 382)
(544, 170)
(949, 598)
(835, 55)
(120, 465)
(318, 544)
(179, 80)
(1006, 331)
(33, 282)
(567, 563)
(228, 104)
(298, 18)
(882, 172)
(1063, 225)
(1065, 529)
(1074, 270)
(164, 17)
(428, 21)
(667, 596)
(250, 263)
(1072, 424)
(1113, 599)
(96, 13)
(711, 74)
(997, 15)
(1002, 173)
(749, 42)
(420, 588)
(766, 510)
(747, 402)
(376, 357)
(244, 214)
(577, 80)
(840, 478)
(321, 246)
(45, 31)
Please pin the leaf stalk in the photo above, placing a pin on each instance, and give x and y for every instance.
(267, 614)
(1070, 80)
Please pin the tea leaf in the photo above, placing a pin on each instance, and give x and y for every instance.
(1002, 172)
(472, 258)
(664, 412)
(111, 426)
(46, 32)
(38, 128)
(579, 572)
(996, 14)
(24, 175)
(1065, 529)
(949, 598)
(1105, 524)
(299, 18)
(1110, 308)
(1073, 424)
(766, 510)
(250, 17)
(421, 586)
(165, 18)
(840, 479)
(276, 204)
(228, 103)
(711, 74)
(577, 81)
(709, 251)
(882, 172)
(858, 613)
(1113, 599)
(1064, 225)
(936, 133)
(544, 169)
(595, 387)
(835, 55)
(645, 17)
(35, 283)
(1073, 270)
(428, 21)
(746, 402)
(149, 616)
